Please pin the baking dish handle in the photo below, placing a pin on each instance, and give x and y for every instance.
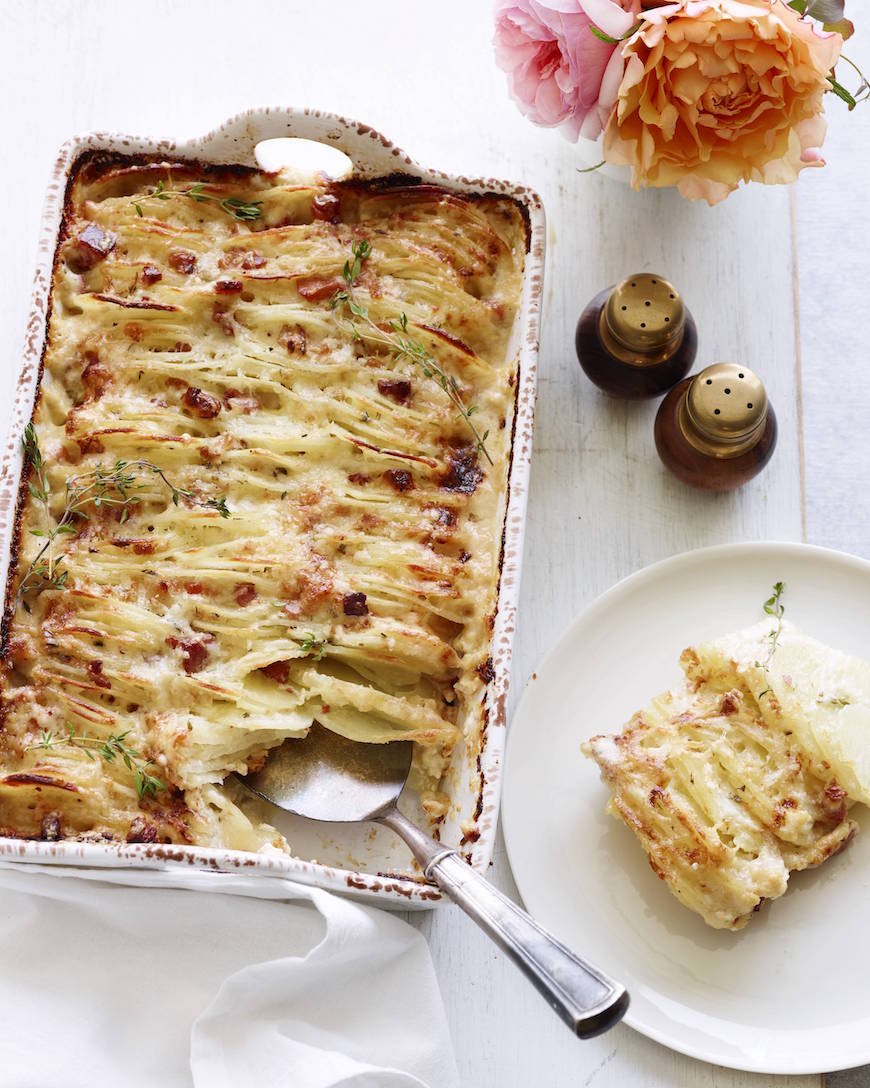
(585, 998)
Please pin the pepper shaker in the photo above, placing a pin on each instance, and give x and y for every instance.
(716, 429)
(636, 339)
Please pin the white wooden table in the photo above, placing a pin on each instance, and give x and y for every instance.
(775, 278)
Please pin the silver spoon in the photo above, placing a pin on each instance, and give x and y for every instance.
(326, 777)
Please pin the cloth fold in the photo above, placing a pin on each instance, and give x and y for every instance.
(131, 977)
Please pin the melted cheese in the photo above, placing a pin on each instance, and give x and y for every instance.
(355, 579)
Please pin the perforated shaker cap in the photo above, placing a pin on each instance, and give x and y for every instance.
(644, 318)
(725, 410)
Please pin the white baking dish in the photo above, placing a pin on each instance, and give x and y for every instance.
(342, 858)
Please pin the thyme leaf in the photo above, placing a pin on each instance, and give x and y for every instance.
(773, 606)
(312, 645)
(114, 747)
(244, 210)
(397, 339)
(116, 486)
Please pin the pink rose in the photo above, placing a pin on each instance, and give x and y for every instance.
(559, 72)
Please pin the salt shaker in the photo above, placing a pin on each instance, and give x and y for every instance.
(716, 429)
(636, 339)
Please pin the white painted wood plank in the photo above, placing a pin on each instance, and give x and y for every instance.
(832, 228)
(601, 506)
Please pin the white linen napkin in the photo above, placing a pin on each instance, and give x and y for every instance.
(130, 977)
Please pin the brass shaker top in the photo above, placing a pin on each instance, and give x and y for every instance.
(643, 320)
(724, 412)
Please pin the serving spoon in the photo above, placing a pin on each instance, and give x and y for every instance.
(327, 777)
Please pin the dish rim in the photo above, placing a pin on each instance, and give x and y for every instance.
(601, 602)
(372, 154)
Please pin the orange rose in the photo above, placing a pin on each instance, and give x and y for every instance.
(716, 92)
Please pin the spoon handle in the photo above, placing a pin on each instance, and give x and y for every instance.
(585, 998)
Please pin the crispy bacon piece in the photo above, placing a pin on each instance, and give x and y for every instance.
(228, 287)
(200, 403)
(279, 671)
(142, 830)
(182, 260)
(25, 778)
(463, 472)
(242, 258)
(398, 389)
(195, 652)
(326, 206)
(234, 398)
(151, 274)
(400, 479)
(245, 592)
(317, 288)
(95, 668)
(294, 340)
(354, 604)
(358, 478)
(91, 246)
(96, 378)
(223, 319)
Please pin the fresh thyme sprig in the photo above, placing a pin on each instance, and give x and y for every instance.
(244, 210)
(109, 749)
(398, 341)
(312, 645)
(773, 606)
(117, 486)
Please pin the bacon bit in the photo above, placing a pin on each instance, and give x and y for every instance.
(223, 319)
(142, 831)
(279, 671)
(96, 378)
(399, 389)
(294, 340)
(445, 517)
(327, 207)
(463, 473)
(182, 260)
(95, 668)
(228, 287)
(26, 779)
(317, 288)
(485, 671)
(181, 346)
(358, 478)
(730, 703)
(325, 708)
(133, 331)
(399, 479)
(834, 792)
(656, 794)
(90, 445)
(49, 830)
(454, 341)
(201, 404)
(354, 604)
(464, 557)
(194, 588)
(246, 258)
(234, 398)
(91, 246)
(245, 592)
(195, 652)
(151, 274)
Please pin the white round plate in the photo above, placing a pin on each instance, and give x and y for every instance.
(791, 992)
